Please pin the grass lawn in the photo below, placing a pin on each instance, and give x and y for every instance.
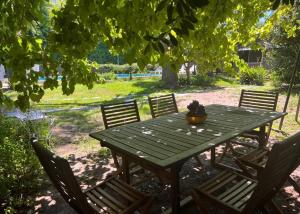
(73, 126)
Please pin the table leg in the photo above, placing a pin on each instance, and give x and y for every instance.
(175, 189)
(262, 136)
(125, 169)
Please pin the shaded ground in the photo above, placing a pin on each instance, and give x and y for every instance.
(93, 168)
(89, 166)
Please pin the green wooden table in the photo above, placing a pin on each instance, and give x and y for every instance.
(164, 144)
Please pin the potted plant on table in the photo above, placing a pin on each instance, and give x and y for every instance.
(196, 113)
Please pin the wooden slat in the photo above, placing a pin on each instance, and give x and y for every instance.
(107, 202)
(216, 180)
(147, 146)
(136, 146)
(122, 186)
(239, 186)
(111, 198)
(120, 192)
(242, 195)
(221, 183)
(99, 203)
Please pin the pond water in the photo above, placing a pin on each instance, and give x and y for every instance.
(119, 76)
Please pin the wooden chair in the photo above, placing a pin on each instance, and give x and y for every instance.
(254, 162)
(264, 100)
(119, 114)
(162, 105)
(236, 193)
(110, 196)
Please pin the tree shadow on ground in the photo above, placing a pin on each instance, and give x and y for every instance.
(89, 170)
(93, 168)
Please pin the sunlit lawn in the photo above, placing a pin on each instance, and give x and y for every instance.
(74, 125)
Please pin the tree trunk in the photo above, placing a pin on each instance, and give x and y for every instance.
(169, 77)
(187, 67)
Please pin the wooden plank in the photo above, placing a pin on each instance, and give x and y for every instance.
(112, 199)
(237, 191)
(242, 196)
(120, 191)
(140, 143)
(99, 203)
(231, 190)
(160, 141)
(106, 201)
(221, 183)
(136, 146)
(132, 192)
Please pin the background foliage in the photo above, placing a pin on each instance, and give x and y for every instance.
(204, 31)
(285, 45)
(19, 168)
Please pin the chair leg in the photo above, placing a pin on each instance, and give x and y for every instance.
(243, 168)
(116, 162)
(213, 156)
(146, 208)
(198, 160)
(275, 208)
(198, 202)
(294, 184)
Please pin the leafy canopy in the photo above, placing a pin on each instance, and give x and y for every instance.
(153, 31)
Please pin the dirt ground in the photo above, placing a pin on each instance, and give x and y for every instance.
(91, 168)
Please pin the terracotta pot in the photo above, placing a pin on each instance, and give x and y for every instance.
(196, 119)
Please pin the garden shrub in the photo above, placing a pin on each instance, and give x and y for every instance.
(108, 76)
(19, 168)
(113, 68)
(252, 76)
(202, 79)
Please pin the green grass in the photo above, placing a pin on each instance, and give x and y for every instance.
(75, 125)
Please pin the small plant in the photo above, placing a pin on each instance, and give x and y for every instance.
(196, 109)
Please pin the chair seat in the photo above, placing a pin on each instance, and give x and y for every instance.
(114, 196)
(257, 158)
(231, 189)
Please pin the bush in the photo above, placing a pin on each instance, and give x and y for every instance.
(202, 79)
(252, 76)
(108, 76)
(19, 168)
(112, 68)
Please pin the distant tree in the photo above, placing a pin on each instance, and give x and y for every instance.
(145, 32)
(102, 55)
(285, 45)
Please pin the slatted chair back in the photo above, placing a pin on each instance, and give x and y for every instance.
(120, 113)
(281, 162)
(62, 177)
(265, 100)
(162, 105)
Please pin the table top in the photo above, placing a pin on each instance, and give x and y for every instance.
(166, 140)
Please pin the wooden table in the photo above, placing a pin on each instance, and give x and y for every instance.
(164, 144)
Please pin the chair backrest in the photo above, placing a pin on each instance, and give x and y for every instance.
(281, 163)
(62, 177)
(265, 100)
(120, 113)
(162, 105)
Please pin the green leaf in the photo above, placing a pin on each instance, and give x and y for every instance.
(179, 8)
(147, 49)
(161, 5)
(192, 18)
(161, 47)
(188, 24)
(173, 39)
(198, 3)
(170, 12)
(276, 4)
